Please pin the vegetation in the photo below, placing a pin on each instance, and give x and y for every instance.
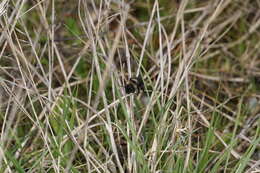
(64, 66)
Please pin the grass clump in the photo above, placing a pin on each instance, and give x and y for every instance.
(63, 71)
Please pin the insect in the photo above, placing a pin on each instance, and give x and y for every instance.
(135, 84)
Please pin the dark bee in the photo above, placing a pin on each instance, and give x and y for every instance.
(135, 84)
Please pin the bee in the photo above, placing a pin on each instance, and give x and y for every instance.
(135, 85)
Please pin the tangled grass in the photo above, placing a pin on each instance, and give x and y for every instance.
(64, 65)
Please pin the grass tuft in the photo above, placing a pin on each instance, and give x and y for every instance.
(63, 71)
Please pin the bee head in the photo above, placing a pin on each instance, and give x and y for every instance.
(129, 88)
